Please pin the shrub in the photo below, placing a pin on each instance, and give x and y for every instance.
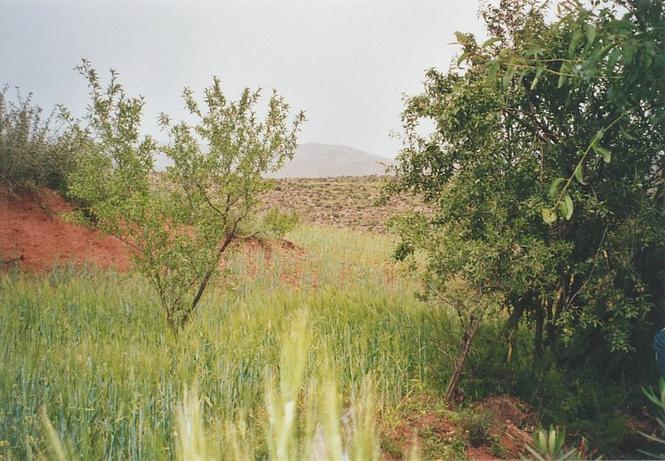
(277, 223)
(522, 131)
(477, 424)
(658, 399)
(32, 152)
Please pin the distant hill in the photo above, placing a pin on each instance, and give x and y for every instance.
(315, 160)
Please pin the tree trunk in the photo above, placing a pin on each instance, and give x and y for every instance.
(206, 277)
(538, 333)
(510, 328)
(453, 383)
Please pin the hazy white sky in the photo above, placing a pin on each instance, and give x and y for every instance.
(347, 63)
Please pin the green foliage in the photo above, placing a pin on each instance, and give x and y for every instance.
(181, 222)
(476, 425)
(658, 399)
(621, 55)
(471, 299)
(276, 223)
(549, 445)
(32, 152)
(545, 169)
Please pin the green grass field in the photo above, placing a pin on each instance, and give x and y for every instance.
(94, 351)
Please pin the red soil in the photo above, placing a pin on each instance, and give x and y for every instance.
(511, 422)
(35, 237)
(480, 454)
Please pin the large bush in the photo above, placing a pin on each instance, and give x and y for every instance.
(545, 168)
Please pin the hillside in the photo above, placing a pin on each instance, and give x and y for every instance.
(316, 160)
(343, 202)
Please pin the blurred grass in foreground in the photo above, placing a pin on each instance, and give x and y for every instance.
(93, 349)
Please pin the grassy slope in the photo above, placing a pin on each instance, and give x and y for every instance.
(94, 348)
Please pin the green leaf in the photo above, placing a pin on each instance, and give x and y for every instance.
(462, 39)
(612, 59)
(579, 173)
(490, 42)
(549, 215)
(577, 37)
(627, 135)
(542, 441)
(462, 58)
(535, 51)
(551, 442)
(539, 72)
(507, 78)
(606, 154)
(590, 34)
(651, 396)
(493, 68)
(554, 187)
(600, 134)
(628, 54)
(562, 77)
(566, 207)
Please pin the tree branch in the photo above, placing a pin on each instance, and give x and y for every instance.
(206, 278)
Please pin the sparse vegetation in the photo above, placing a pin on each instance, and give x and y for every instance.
(344, 202)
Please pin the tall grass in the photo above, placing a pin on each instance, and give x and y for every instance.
(93, 349)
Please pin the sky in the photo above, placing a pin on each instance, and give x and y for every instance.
(346, 63)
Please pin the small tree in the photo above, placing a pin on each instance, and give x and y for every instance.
(181, 222)
(472, 296)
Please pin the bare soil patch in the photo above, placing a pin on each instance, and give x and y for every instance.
(429, 421)
(266, 250)
(513, 421)
(35, 237)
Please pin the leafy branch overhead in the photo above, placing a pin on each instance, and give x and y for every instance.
(598, 54)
